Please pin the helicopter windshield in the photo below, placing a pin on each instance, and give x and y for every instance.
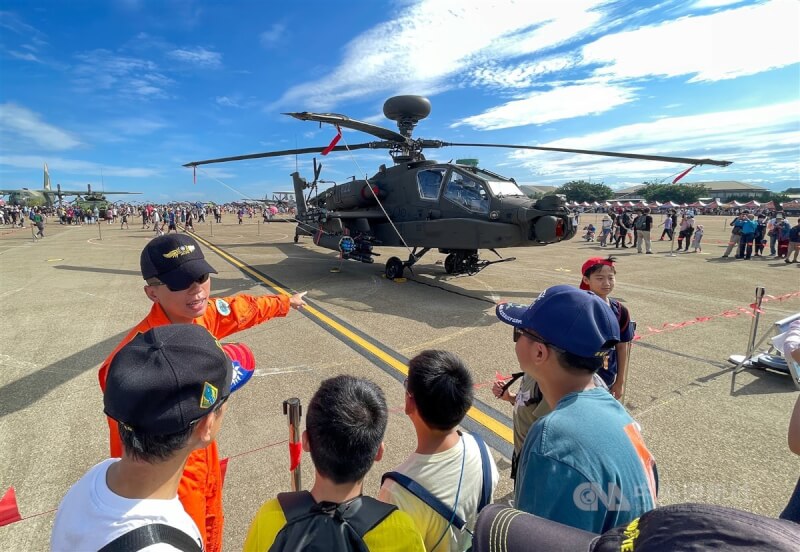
(467, 192)
(505, 188)
(429, 181)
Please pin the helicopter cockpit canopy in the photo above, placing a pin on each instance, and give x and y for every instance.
(467, 191)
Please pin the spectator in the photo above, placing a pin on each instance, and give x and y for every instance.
(178, 283)
(453, 467)
(599, 276)
(345, 425)
(794, 242)
(166, 389)
(667, 224)
(605, 230)
(748, 235)
(760, 235)
(623, 225)
(588, 446)
(782, 230)
(736, 234)
(643, 225)
(698, 238)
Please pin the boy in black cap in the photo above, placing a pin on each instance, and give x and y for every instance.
(584, 464)
(178, 283)
(166, 389)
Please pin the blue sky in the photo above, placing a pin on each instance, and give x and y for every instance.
(122, 93)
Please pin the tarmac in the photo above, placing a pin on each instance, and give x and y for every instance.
(69, 298)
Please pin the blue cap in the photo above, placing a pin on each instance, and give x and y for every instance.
(572, 319)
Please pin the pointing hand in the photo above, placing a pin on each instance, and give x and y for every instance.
(296, 300)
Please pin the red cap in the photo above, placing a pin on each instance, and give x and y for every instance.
(594, 261)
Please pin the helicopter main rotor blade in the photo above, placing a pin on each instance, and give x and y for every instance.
(347, 122)
(318, 149)
(686, 160)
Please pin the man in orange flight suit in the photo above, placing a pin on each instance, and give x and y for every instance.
(178, 283)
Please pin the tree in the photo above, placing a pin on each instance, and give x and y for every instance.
(580, 190)
(679, 193)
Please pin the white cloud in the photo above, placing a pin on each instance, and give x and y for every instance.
(758, 139)
(226, 101)
(715, 3)
(197, 56)
(433, 41)
(20, 123)
(710, 47)
(564, 102)
(25, 56)
(273, 35)
(75, 166)
(128, 77)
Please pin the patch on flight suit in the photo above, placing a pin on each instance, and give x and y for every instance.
(223, 307)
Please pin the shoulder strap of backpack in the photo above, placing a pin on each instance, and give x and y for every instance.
(364, 513)
(624, 317)
(154, 533)
(425, 496)
(486, 468)
(296, 504)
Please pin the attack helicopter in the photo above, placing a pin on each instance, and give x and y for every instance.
(421, 204)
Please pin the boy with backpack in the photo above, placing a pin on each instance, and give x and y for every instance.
(345, 425)
(450, 476)
(599, 277)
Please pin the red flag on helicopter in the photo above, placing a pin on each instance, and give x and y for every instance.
(335, 141)
(684, 173)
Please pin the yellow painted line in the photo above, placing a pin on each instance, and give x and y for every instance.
(500, 429)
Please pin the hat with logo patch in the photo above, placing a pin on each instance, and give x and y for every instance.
(175, 259)
(165, 379)
(665, 529)
(569, 318)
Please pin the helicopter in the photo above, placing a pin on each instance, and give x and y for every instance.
(89, 200)
(421, 204)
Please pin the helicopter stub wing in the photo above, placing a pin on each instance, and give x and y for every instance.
(347, 122)
(318, 149)
(372, 214)
(668, 159)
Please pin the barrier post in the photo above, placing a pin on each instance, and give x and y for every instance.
(760, 290)
(293, 409)
(99, 231)
(211, 225)
(258, 224)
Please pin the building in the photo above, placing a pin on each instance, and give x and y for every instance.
(720, 189)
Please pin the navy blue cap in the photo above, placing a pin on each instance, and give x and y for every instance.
(572, 319)
(164, 379)
(175, 259)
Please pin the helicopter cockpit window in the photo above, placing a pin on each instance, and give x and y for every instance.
(467, 192)
(429, 181)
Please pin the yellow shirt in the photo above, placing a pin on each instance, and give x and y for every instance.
(395, 532)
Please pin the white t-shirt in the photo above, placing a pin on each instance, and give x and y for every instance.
(439, 474)
(91, 515)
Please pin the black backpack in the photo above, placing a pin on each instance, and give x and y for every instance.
(327, 526)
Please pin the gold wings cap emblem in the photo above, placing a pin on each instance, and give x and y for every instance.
(179, 252)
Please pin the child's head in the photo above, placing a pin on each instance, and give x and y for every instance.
(440, 386)
(345, 425)
(599, 275)
(699, 226)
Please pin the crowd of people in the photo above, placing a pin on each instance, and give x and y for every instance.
(750, 232)
(166, 389)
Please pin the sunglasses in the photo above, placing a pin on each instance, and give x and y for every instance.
(156, 282)
(519, 332)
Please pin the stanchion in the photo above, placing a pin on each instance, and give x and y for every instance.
(99, 230)
(293, 409)
(258, 224)
(211, 225)
(725, 223)
(672, 245)
(754, 322)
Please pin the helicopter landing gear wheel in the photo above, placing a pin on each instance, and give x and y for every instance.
(450, 263)
(394, 268)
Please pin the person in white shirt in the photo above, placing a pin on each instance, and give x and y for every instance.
(447, 463)
(167, 389)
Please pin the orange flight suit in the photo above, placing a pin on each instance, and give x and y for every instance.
(200, 489)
